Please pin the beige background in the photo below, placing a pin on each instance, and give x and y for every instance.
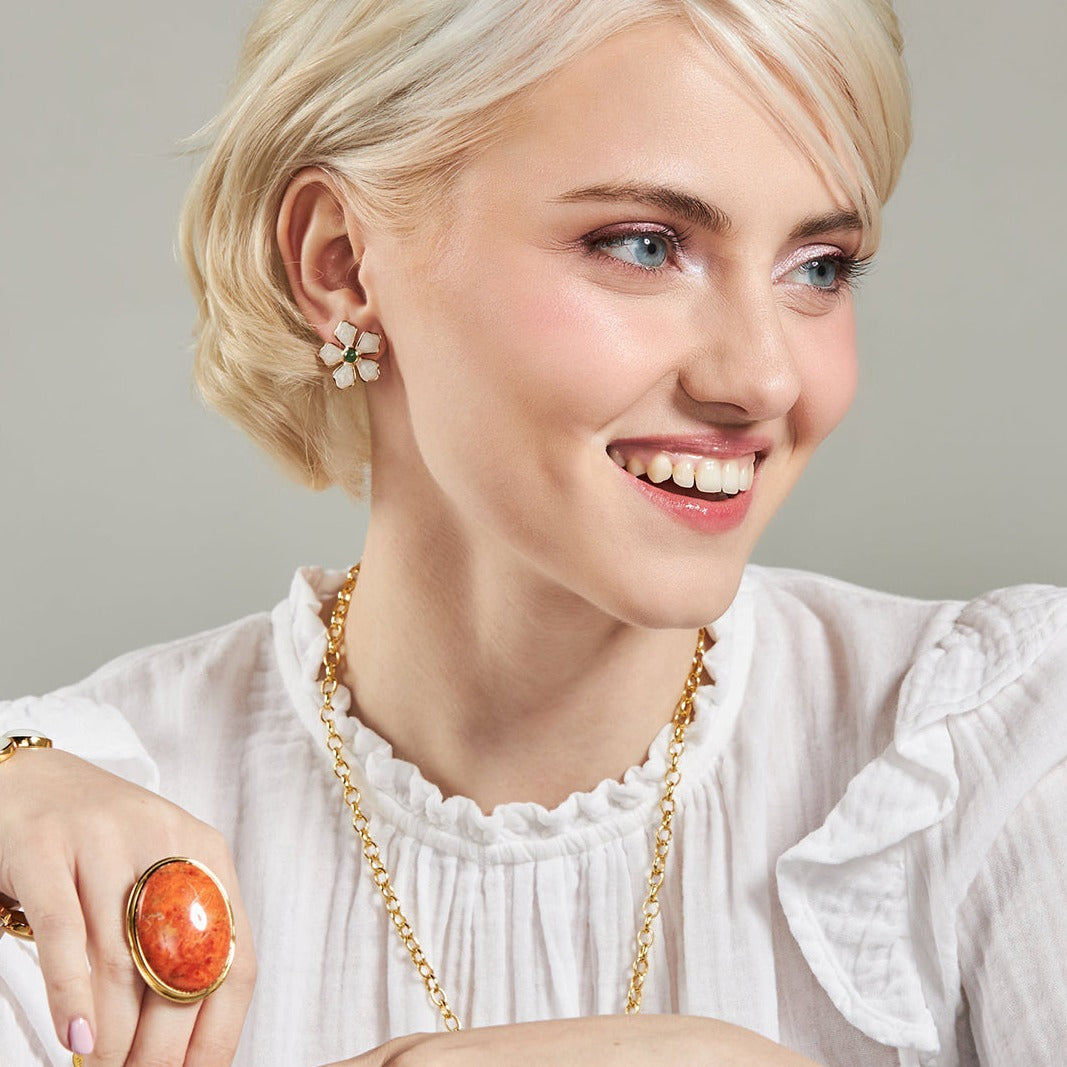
(132, 515)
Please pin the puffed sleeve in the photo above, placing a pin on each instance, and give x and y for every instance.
(95, 731)
(914, 894)
(1013, 934)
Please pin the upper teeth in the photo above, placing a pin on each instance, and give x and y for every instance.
(730, 476)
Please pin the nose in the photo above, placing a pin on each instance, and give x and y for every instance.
(741, 362)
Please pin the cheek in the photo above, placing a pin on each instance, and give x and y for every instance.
(589, 356)
(829, 375)
(531, 330)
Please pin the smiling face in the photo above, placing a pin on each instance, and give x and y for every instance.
(636, 306)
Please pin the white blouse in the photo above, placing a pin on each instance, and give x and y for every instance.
(866, 863)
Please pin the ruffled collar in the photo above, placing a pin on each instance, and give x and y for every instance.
(395, 791)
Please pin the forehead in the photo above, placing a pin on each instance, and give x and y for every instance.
(653, 105)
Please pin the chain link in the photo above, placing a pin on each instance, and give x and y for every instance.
(661, 842)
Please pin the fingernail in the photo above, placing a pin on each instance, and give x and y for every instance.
(80, 1036)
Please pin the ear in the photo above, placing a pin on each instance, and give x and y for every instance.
(321, 247)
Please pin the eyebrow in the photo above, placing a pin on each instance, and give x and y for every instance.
(701, 212)
(689, 207)
(830, 222)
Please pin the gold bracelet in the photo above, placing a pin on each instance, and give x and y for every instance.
(12, 919)
(13, 742)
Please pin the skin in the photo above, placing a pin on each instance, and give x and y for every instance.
(503, 543)
(71, 865)
(608, 1039)
(514, 580)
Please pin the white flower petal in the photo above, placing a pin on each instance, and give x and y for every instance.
(331, 355)
(368, 370)
(345, 375)
(345, 333)
(368, 344)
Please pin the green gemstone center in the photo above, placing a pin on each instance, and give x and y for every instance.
(351, 355)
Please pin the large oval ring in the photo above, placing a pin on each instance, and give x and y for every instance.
(179, 925)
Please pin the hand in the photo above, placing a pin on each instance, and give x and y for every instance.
(618, 1040)
(73, 840)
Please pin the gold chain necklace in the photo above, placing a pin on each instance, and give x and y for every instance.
(661, 843)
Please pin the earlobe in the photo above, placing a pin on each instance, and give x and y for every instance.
(320, 249)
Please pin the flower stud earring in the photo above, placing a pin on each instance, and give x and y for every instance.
(354, 358)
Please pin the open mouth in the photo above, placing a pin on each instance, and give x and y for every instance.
(708, 478)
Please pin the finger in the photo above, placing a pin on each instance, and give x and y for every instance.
(163, 1031)
(218, 1026)
(50, 901)
(117, 987)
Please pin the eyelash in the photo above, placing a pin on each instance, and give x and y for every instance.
(849, 268)
(849, 271)
(594, 244)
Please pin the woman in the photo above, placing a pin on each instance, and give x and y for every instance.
(576, 277)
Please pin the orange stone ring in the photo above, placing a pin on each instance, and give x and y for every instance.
(179, 924)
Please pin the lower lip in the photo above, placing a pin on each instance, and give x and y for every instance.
(707, 516)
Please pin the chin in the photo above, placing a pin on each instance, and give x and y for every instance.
(684, 603)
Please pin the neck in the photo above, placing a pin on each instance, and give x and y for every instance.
(496, 683)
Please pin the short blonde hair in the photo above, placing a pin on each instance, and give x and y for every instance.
(392, 96)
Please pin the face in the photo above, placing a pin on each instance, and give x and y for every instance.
(612, 359)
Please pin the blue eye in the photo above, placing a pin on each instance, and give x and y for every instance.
(648, 250)
(828, 273)
(821, 273)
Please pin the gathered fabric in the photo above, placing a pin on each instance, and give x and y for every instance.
(864, 861)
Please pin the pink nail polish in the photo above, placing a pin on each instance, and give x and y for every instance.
(80, 1036)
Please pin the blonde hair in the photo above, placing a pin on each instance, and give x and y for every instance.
(392, 96)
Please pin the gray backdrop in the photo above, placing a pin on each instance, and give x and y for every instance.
(130, 514)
